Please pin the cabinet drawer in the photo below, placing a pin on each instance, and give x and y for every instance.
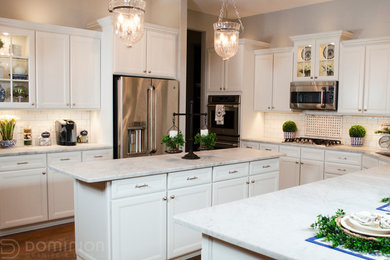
(269, 147)
(251, 145)
(55, 158)
(340, 169)
(369, 162)
(290, 151)
(189, 178)
(343, 157)
(264, 166)
(95, 155)
(230, 171)
(312, 154)
(138, 186)
(11, 163)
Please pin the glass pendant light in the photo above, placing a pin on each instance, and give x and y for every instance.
(128, 19)
(226, 33)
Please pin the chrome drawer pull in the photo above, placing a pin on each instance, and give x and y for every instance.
(268, 149)
(266, 166)
(192, 178)
(98, 156)
(342, 170)
(343, 158)
(141, 186)
(21, 163)
(65, 159)
(232, 172)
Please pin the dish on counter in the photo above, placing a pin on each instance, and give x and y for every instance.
(377, 227)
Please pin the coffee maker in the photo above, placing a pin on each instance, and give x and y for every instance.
(66, 132)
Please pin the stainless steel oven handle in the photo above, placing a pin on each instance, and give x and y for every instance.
(225, 143)
(323, 91)
(214, 105)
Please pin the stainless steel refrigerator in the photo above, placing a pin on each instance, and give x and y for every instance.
(143, 109)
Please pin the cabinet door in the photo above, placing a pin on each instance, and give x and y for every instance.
(52, 54)
(182, 240)
(351, 79)
(215, 71)
(85, 72)
(289, 172)
(161, 54)
(326, 59)
(304, 60)
(369, 162)
(282, 77)
(377, 80)
(263, 183)
(230, 190)
(130, 60)
(263, 82)
(23, 197)
(139, 227)
(311, 171)
(233, 71)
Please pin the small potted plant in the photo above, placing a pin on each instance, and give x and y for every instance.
(7, 127)
(289, 129)
(206, 142)
(173, 142)
(357, 133)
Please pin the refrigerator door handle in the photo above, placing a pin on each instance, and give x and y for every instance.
(149, 119)
(155, 120)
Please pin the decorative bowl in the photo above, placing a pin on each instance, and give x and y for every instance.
(7, 143)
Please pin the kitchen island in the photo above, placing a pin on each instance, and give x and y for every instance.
(124, 208)
(276, 225)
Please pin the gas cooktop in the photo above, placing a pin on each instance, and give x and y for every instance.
(309, 140)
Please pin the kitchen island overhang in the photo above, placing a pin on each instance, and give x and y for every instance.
(277, 225)
(119, 202)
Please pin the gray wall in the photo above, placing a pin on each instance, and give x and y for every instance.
(365, 18)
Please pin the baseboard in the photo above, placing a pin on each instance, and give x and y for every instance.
(11, 231)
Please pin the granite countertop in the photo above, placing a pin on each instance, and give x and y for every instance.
(25, 150)
(277, 224)
(371, 151)
(108, 170)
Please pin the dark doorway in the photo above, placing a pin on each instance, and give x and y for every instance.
(194, 78)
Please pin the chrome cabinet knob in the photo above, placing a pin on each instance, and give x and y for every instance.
(145, 71)
(365, 110)
(359, 110)
(43, 173)
(74, 104)
(253, 181)
(165, 198)
(247, 182)
(33, 104)
(150, 71)
(173, 196)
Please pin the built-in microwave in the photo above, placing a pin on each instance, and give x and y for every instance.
(314, 95)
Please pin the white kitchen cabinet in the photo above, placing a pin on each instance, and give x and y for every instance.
(316, 56)
(289, 172)
(97, 155)
(311, 171)
(263, 183)
(182, 240)
(369, 162)
(250, 145)
(230, 190)
(215, 71)
(52, 54)
(154, 56)
(139, 227)
(269, 147)
(85, 72)
(273, 75)
(23, 197)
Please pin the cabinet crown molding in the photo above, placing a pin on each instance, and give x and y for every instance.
(273, 50)
(254, 43)
(343, 35)
(366, 41)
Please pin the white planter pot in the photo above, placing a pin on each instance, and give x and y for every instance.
(357, 141)
(289, 135)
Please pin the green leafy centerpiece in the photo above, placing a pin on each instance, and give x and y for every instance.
(174, 141)
(289, 129)
(206, 142)
(357, 133)
(7, 127)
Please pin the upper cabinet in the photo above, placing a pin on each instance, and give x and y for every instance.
(17, 68)
(273, 75)
(316, 56)
(365, 77)
(230, 75)
(154, 56)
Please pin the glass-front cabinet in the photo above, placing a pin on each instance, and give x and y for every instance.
(316, 56)
(17, 70)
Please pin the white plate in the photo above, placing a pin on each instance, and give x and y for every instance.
(352, 225)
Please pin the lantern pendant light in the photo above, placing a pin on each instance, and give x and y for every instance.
(226, 33)
(128, 19)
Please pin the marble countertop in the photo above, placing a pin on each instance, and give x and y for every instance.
(371, 151)
(25, 150)
(108, 170)
(277, 224)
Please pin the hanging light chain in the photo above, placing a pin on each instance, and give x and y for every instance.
(237, 14)
(225, 6)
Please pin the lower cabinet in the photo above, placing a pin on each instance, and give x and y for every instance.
(263, 183)
(139, 227)
(289, 172)
(23, 197)
(182, 240)
(311, 171)
(230, 190)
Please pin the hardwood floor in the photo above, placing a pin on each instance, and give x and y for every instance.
(54, 243)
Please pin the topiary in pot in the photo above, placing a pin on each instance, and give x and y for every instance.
(357, 133)
(289, 129)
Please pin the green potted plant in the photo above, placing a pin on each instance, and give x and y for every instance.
(206, 142)
(289, 129)
(357, 133)
(173, 142)
(7, 127)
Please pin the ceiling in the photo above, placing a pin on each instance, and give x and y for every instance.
(249, 7)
